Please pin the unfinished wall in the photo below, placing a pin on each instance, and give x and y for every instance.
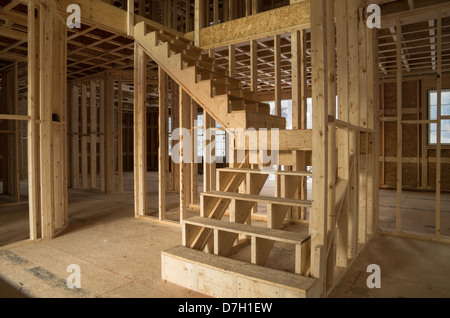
(419, 158)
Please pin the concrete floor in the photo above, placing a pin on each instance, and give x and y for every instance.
(120, 256)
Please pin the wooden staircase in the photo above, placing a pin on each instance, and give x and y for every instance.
(223, 97)
(212, 234)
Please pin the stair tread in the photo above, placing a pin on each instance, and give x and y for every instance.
(281, 173)
(258, 198)
(243, 269)
(260, 232)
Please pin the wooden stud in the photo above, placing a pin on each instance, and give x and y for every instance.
(254, 68)
(84, 155)
(120, 137)
(199, 20)
(194, 164)
(185, 121)
(163, 141)
(140, 133)
(102, 136)
(109, 134)
(93, 124)
(439, 125)
(33, 112)
(277, 69)
(399, 127)
(318, 219)
(75, 136)
(343, 133)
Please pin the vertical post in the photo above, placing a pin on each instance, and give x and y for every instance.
(75, 136)
(194, 164)
(254, 67)
(188, 16)
(352, 9)
(332, 164)
(399, 127)
(163, 140)
(140, 132)
(120, 137)
(439, 125)
(199, 20)
(185, 121)
(130, 18)
(93, 123)
(33, 108)
(102, 136)
(318, 219)
(109, 133)
(232, 61)
(45, 94)
(216, 11)
(277, 69)
(343, 133)
(84, 161)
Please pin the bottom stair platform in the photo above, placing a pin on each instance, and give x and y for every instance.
(222, 277)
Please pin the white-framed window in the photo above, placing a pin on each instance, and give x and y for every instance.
(432, 115)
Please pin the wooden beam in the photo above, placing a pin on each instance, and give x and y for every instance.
(84, 155)
(75, 136)
(199, 21)
(318, 218)
(343, 134)
(33, 112)
(93, 141)
(254, 68)
(439, 125)
(295, 17)
(185, 124)
(109, 133)
(140, 133)
(130, 17)
(163, 141)
(277, 70)
(399, 128)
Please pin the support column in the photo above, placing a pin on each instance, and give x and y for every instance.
(140, 132)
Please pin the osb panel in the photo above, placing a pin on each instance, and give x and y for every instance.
(390, 96)
(410, 175)
(390, 173)
(390, 139)
(277, 21)
(410, 141)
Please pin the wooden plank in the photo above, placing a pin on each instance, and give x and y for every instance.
(93, 141)
(45, 95)
(264, 24)
(277, 69)
(342, 134)
(120, 136)
(354, 112)
(33, 111)
(257, 198)
(439, 125)
(130, 18)
(140, 133)
(109, 133)
(163, 133)
(182, 265)
(84, 154)
(254, 231)
(185, 121)
(332, 156)
(194, 159)
(75, 135)
(199, 21)
(253, 171)
(102, 136)
(399, 127)
(318, 219)
(254, 68)
(232, 61)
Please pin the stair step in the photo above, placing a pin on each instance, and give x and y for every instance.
(258, 198)
(279, 173)
(222, 277)
(249, 230)
(186, 52)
